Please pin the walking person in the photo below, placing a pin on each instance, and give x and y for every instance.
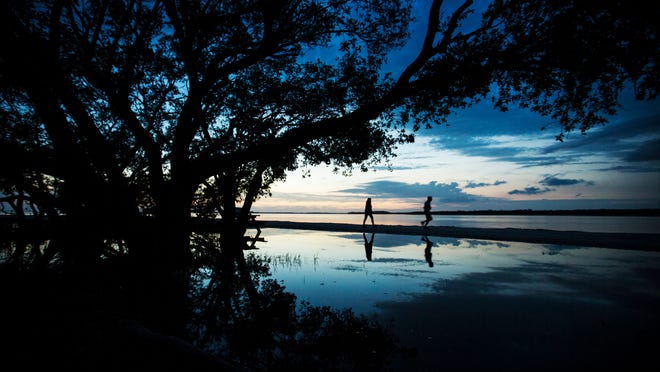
(427, 212)
(368, 212)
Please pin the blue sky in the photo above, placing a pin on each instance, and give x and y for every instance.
(486, 159)
(491, 160)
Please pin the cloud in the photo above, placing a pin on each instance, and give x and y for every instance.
(631, 140)
(550, 183)
(552, 180)
(442, 192)
(632, 169)
(522, 150)
(533, 190)
(515, 137)
(646, 151)
(473, 185)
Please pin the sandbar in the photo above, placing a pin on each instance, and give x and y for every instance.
(635, 241)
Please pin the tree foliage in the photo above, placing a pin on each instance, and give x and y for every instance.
(148, 102)
(119, 109)
(125, 116)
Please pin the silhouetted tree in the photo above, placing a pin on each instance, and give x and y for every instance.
(120, 109)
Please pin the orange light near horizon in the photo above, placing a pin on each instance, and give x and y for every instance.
(335, 206)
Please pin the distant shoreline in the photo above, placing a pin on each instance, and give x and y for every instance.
(646, 212)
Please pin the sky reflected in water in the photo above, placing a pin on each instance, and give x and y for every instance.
(482, 303)
(332, 268)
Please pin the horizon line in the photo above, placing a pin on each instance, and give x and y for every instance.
(625, 211)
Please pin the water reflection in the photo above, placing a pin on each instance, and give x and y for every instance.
(331, 271)
(368, 245)
(427, 251)
(497, 299)
(395, 270)
(539, 301)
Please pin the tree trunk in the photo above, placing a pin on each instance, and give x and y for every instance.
(161, 264)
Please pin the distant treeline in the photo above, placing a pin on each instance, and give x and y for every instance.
(531, 212)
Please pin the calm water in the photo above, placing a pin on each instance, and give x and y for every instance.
(561, 223)
(478, 304)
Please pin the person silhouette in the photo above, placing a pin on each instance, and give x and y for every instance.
(427, 250)
(427, 212)
(368, 245)
(368, 212)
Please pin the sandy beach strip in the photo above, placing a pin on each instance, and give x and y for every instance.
(637, 241)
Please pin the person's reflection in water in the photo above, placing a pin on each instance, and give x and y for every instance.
(368, 245)
(427, 250)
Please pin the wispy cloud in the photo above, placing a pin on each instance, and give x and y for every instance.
(553, 180)
(550, 183)
(442, 192)
(646, 151)
(474, 185)
(520, 142)
(632, 169)
(632, 140)
(532, 190)
(522, 150)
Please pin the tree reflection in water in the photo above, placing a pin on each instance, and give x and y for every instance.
(81, 317)
(249, 317)
(261, 325)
